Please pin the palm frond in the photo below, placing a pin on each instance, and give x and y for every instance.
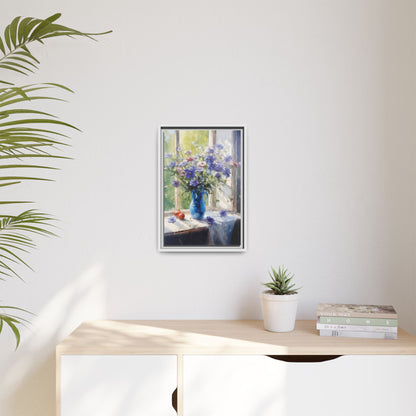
(16, 233)
(23, 137)
(23, 31)
(25, 134)
(12, 320)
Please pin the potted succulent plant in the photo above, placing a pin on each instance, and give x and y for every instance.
(280, 301)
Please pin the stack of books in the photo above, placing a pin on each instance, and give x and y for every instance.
(357, 321)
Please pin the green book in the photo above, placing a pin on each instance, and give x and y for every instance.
(343, 320)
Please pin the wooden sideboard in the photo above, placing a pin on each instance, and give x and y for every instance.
(227, 368)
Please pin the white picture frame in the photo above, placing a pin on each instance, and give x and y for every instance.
(223, 225)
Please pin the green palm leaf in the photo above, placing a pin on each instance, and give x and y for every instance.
(22, 137)
(21, 32)
(27, 134)
(16, 235)
(12, 320)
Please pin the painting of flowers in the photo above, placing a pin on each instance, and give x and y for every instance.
(202, 189)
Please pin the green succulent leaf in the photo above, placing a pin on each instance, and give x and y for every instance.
(281, 281)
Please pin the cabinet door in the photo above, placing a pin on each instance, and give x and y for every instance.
(259, 385)
(117, 385)
(232, 385)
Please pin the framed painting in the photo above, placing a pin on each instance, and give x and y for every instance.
(202, 175)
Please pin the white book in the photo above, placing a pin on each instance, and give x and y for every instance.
(356, 328)
(357, 334)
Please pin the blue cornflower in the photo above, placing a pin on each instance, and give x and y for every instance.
(190, 173)
(171, 219)
(176, 184)
(217, 167)
(194, 182)
(223, 213)
(218, 175)
(219, 146)
(210, 220)
(179, 149)
(227, 172)
(172, 164)
(188, 152)
(228, 158)
(209, 150)
(210, 159)
(168, 155)
(184, 163)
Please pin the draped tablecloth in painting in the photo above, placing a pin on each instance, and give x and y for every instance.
(220, 231)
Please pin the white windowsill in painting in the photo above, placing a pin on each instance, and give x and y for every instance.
(189, 223)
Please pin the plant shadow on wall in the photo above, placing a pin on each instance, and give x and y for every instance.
(30, 141)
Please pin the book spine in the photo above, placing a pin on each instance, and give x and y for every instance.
(336, 320)
(389, 329)
(356, 334)
(389, 316)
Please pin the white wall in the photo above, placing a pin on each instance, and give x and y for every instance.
(327, 92)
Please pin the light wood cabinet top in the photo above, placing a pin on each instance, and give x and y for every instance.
(219, 337)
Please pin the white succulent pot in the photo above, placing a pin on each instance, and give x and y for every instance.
(279, 311)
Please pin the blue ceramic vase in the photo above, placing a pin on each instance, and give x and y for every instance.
(197, 207)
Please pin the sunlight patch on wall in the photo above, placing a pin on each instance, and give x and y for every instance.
(30, 371)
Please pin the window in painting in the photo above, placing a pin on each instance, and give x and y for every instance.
(183, 148)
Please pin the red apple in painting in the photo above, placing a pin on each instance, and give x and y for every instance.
(181, 216)
(177, 213)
